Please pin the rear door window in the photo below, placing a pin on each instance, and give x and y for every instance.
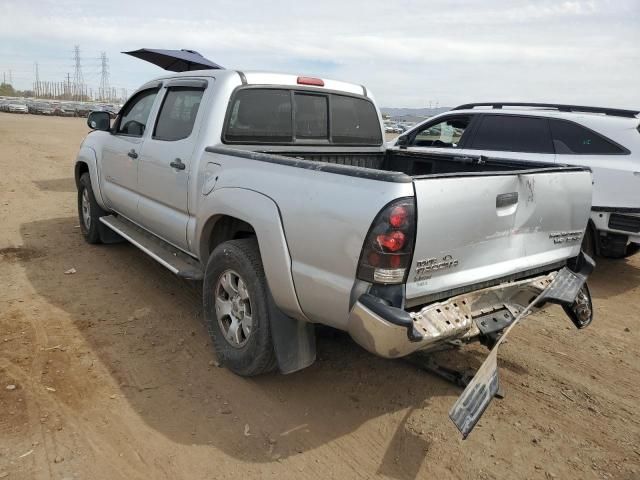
(446, 133)
(511, 133)
(571, 138)
(178, 113)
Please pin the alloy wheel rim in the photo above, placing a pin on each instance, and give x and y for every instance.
(86, 209)
(233, 308)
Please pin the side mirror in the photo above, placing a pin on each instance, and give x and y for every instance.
(99, 120)
(402, 141)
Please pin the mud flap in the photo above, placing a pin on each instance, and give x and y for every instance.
(108, 236)
(294, 340)
(567, 289)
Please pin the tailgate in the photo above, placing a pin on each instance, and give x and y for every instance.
(477, 228)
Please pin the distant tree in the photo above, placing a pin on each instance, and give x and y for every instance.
(6, 90)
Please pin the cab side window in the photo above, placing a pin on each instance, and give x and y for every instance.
(444, 134)
(570, 138)
(135, 114)
(178, 113)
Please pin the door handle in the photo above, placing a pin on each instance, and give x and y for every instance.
(177, 164)
(132, 153)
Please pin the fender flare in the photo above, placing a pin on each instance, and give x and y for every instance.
(262, 213)
(88, 157)
(292, 333)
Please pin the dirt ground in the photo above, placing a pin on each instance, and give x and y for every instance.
(114, 374)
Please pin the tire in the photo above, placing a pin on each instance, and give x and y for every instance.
(234, 270)
(89, 212)
(614, 246)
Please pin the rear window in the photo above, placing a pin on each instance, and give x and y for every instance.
(354, 120)
(261, 115)
(311, 114)
(570, 138)
(510, 133)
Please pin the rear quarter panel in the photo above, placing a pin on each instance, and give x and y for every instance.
(325, 217)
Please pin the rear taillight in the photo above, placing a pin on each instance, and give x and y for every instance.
(386, 255)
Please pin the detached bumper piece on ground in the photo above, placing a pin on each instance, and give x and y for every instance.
(568, 289)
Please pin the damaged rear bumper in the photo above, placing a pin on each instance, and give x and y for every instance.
(393, 332)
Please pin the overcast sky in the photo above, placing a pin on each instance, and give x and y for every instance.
(407, 52)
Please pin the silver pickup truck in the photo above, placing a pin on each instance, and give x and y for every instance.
(279, 193)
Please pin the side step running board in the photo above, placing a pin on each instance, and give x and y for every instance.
(167, 255)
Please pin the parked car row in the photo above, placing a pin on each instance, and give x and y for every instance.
(395, 128)
(55, 107)
(13, 106)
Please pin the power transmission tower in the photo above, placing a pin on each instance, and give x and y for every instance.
(78, 80)
(104, 77)
(37, 85)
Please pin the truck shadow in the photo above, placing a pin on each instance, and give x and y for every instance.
(145, 327)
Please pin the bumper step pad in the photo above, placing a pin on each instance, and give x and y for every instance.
(567, 289)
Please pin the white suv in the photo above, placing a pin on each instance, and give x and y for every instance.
(606, 140)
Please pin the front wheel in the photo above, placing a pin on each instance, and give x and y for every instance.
(236, 308)
(89, 212)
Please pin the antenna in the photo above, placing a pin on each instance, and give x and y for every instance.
(104, 77)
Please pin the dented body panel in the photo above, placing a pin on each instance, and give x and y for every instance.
(478, 228)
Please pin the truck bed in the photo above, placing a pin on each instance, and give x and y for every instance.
(417, 164)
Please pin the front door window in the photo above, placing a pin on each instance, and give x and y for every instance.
(444, 134)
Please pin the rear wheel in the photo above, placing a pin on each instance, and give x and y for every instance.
(235, 308)
(89, 212)
(613, 245)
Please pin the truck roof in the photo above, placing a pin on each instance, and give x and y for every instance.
(256, 77)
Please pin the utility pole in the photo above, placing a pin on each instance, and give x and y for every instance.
(104, 77)
(78, 80)
(10, 78)
(68, 86)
